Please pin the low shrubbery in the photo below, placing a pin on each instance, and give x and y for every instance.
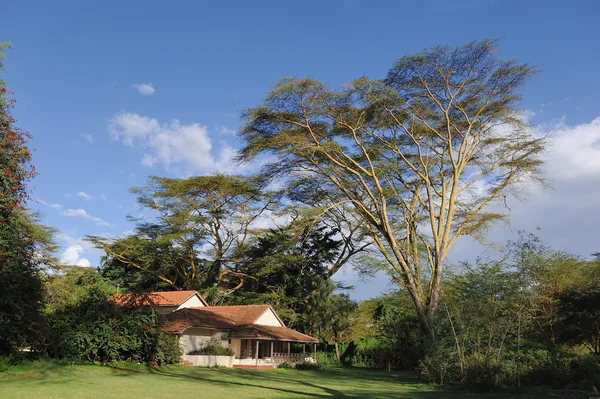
(530, 368)
(213, 347)
(308, 366)
(284, 365)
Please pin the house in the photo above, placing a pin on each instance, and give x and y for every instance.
(255, 333)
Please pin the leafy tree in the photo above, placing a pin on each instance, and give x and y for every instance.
(385, 333)
(546, 274)
(579, 310)
(329, 315)
(287, 270)
(202, 224)
(25, 247)
(69, 284)
(418, 157)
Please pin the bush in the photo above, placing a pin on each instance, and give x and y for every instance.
(284, 365)
(585, 372)
(98, 330)
(440, 368)
(308, 366)
(327, 358)
(213, 347)
(533, 366)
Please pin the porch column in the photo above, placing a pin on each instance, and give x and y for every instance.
(271, 350)
(288, 349)
(256, 355)
(315, 352)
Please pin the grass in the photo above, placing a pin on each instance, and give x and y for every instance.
(47, 379)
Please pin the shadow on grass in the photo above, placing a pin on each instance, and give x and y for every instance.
(336, 383)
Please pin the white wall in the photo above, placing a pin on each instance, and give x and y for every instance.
(268, 319)
(236, 346)
(193, 302)
(196, 338)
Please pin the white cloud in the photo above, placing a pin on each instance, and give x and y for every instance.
(181, 148)
(83, 195)
(145, 89)
(72, 256)
(88, 137)
(226, 131)
(575, 150)
(564, 216)
(80, 213)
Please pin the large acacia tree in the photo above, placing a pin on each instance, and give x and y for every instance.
(202, 224)
(418, 157)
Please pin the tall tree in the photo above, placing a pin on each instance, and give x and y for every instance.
(25, 246)
(418, 157)
(195, 241)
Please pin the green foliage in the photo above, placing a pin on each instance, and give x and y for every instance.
(25, 246)
(579, 309)
(213, 347)
(288, 270)
(385, 333)
(71, 284)
(284, 365)
(327, 356)
(308, 366)
(25, 252)
(96, 329)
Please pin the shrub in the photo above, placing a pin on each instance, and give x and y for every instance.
(214, 348)
(585, 372)
(308, 366)
(327, 358)
(440, 368)
(284, 365)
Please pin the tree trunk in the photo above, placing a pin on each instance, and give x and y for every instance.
(427, 333)
(337, 351)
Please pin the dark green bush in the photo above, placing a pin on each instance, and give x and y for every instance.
(284, 365)
(440, 367)
(585, 371)
(532, 366)
(308, 366)
(98, 330)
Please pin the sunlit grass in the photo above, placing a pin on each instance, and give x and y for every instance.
(65, 380)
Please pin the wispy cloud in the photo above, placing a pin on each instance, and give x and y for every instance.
(88, 137)
(83, 195)
(145, 89)
(178, 147)
(80, 213)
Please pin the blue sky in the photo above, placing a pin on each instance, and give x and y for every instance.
(116, 91)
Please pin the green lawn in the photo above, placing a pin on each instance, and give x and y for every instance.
(52, 380)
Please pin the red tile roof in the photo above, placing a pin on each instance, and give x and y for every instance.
(256, 331)
(160, 298)
(238, 320)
